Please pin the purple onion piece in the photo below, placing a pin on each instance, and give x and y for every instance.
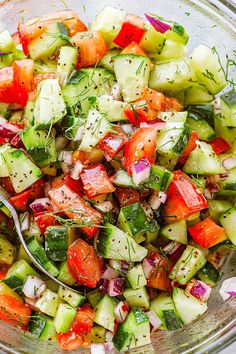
(159, 26)
(103, 287)
(229, 163)
(40, 205)
(141, 171)
(116, 287)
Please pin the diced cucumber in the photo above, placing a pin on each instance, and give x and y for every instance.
(105, 313)
(177, 33)
(197, 94)
(137, 297)
(228, 184)
(202, 111)
(152, 40)
(191, 261)
(171, 76)
(176, 231)
(218, 207)
(173, 116)
(48, 43)
(228, 108)
(227, 133)
(132, 73)
(132, 219)
(202, 128)
(6, 59)
(73, 298)
(33, 230)
(164, 308)
(64, 275)
(42, 66)
(18, 273)
(205, 62)
(160, 178)
(49, 105)
(3, 167)
(66, 63)
(94, 297)
(108, 23)
(22, 171)
(136, 277)
(42, 326)
(203, 161)
(228, 221)
(96, 127)
(172, 50)
(48, 303)
(28, 113)
(57, 242)
(122, 179)
(134, 332)
(209, 274)
(97, 334)
(6, 290)
(113, 243)
(107, 62)
(64, 318)
(188, 308)
(7, 44)
(21, 254)
(40, 145)
(7, 251)
(113, 110)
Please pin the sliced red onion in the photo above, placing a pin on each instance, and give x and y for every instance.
(213, 187)
(129, 129)
(116, 287)
(141, 171)
(147, 265)
(76, 170)
(32, 304)
(198, 289)
(16, 141)
(159, 26)
(97, 348)
(156, 199)
(105, 207)
(33, 287)
(229, 163)
(109, 273)
(174, 250)
(3, 53)
(25, 221)
(228, 288)
(104, 285)
(79, 133)
(41, 205)
(116, 92)
(121, 312)
(7, 130)
(223, 176)
(125, 266)
(61, 142)
(154, 320)
(66, 157)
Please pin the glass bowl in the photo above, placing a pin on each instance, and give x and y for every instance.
(210, 22)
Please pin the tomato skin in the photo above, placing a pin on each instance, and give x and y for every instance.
(129, 33)
(172, 104)
(7, 185)
(154, 98)
(133, 48)
(207, 233)
(137, 112)
(183, 198)
(112, 143)
(14, 311)
(190, 147)
(96, 181)
(69, 340)
(37, 190)
(141, 144)
(84, 264)
(127, 196)
(22, 77)
(44, 220)
(7, 91)
(20, 201)
(40, 77)
(83, 321)
(159, 275)
(219, 145)
(2, 275)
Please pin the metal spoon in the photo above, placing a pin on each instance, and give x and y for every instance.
(4, 200)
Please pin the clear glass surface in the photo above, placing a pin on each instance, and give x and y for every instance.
(210, 22)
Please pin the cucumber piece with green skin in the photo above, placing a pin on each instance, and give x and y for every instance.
(40, 145)
(17, 274)
(107, 62)
(22, 171)
(203, 161)
(227, 186)
(7, 44)
(66, 63)
(164, 308)
(40, 255)
(136, 277)
(108, 23)
(187, 307)
(205, 62)
(70, 126)
(176, 231)
(201, 111)
(202, 128)
(228, 221)
(94, 297)
(218, 207)
(173, 116)
(6, 59)
(97, 334)
(48, 303)
(8, 251)
(197, 95)
(209, 274)
(42, 326)
(168, 161)
(160, 178)
(96, 127)
(137, 297)
(113, 109)
(64, 275)
(132, 219)
(49, 107)
(113, 243)
(48, 43)
(57, 241)
(191, 261)
(105, 313)
(177, 33)
(64, 318)
(28, 114)
(3, 168)
(227, 133)
(228, 108)
(171, 76)
(132, 74)
(73, 298)
(152, 40)
(85, 83)
(42, 66)
(122, 179)
(171, 50)
(134, 332)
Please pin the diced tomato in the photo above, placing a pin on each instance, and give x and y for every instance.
(8, 93)
(154, 98)
(16, 142)
(22, 77)
(44, 220)
(37, 190)
(92, 47)
(183, 198)
(207, 233)
(14, 311)
(113, 142)
(84, 264)
(219, 145)
(2, 275)
(20, 201)
(7, 185)
(76, 208)
(127, 196)
(69, 340)
(159, 278)
(133, 48)
(3, 141)
(141, 144)
(75, 185)
(172, 104)
(137, 112)
(40, 77)
(96, 181)
(83, 321)
(190, 147)
(129, 33)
